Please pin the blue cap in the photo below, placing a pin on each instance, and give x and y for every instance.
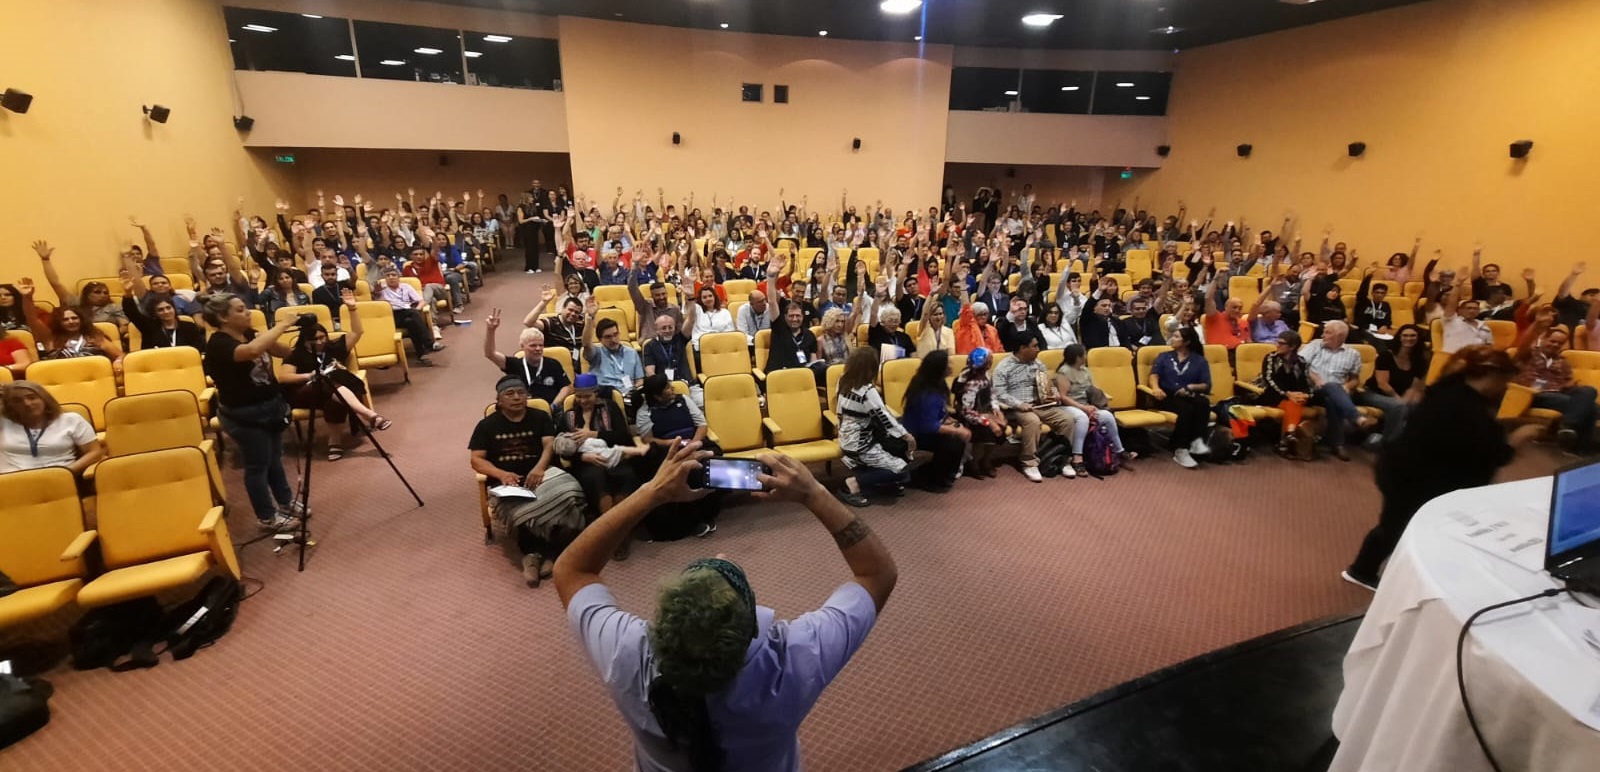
(586, 382)
(978, 358)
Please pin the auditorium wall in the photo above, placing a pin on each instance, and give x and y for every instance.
(1438, 91)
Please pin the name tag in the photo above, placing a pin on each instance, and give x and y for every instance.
(671, 374)
(1539, 383)
(800, 355)
(1144, 341)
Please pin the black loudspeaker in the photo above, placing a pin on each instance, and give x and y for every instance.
(1357, 148)
(1163, 150)
(676, 138)
(855, 144)
(1520, 148)
(16, 101)
(444, 159)
(244, 123)
(158, 113)
(1244, 150)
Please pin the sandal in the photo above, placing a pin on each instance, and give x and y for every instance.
(335, 452)
(379, 423)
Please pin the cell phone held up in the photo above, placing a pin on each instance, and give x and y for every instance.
(729, 474)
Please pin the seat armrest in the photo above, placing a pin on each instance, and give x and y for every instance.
(773, 427)
(832, 418)
(88, 472)
(1249, 387)
(711, 435)
(760, 376)
(79, 545)
(1517, 400)
(206, 396)
(482, 479)
(209, 522)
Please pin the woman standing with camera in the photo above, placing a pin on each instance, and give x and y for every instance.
(251, 405)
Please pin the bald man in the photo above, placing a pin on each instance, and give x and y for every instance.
(754, 317)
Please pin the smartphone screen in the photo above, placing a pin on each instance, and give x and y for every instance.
(733, 474)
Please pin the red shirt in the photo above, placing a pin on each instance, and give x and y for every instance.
(9, 346)
(425, 270)
(580, 259)
(1227, 332)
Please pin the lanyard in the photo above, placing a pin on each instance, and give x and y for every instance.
(527, 374)
(172, 335)
(1184, 368)
(33, 440)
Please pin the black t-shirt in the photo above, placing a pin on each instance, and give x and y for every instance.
(559, 333)
(514, 446)
(877, 337)
(1399, 380)
(239, 383)
(305, 361)
(544, 380)
(670, 355)
(1570, 311)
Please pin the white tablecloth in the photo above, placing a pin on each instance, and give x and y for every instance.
(1535, 688)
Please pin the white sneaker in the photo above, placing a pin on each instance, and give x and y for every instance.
(1184, 459)
(1199, 448)
(296, 508)
(530, 271)
(1068, 472)
(1032, 473)
(280, 523)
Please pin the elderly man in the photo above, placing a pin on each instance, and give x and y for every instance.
(1266, 316)
(546, 379)
(405, 304)
(1027, 394)
(1335, 371)
(754, 316)
(1549, 374)
(1016, 327)
(973, 330)
(1226, 327)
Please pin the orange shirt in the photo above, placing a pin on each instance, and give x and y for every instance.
(1225, 331)
(970, 336)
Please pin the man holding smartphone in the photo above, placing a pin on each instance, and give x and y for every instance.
(713, 664)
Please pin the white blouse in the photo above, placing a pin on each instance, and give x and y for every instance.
(709, 321)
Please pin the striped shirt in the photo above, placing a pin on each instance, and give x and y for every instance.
(1334, 365)
(1016, 383)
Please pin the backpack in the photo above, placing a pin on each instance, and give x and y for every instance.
(1054, 455)
(201, 620)
(1099, 459)
(24, 707)
(107, 633)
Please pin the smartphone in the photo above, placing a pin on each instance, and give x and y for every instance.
(730, 474)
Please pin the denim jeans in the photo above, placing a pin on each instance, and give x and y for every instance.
(1080, 428)
(871, 478)
(258, 431)
(457, 291)
(1577, 409)
(1341, 411)
(1395, 411)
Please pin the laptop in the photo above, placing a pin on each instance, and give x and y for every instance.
(1572, 552)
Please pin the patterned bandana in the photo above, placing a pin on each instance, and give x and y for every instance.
(734, 576)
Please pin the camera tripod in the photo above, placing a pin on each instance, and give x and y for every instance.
(302, 537)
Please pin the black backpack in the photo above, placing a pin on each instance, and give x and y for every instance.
(24, 707)
(107, 633)
(200, 621)
(1054, 455)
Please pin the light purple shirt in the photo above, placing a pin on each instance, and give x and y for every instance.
(402, 296)
(785, 670)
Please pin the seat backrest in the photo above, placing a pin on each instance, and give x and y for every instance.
(618, 315)
(154, 421)
(174, 267)
(1111, 367)
(1413, 289)
(914, 329)
(42, 516)
(1138, 263)
(1124, 281)
(87, 381)
(1245, 288)
(1404, 310)
(163, 369)
(738, 290)
(723, 353)
(560, 354)
(792, 403)
(149, 505)
(1249, 357)
(896, 375)
(802, 263)
(324, 317)
(1505, 334)
(1585, 366)
(764, 348)
(1221, 373)
(835, 372)
(258, 320)
(1147, 360)
(1052, 359)
(1369, 359)
(377, 328)
(363, 290)
(733, 411)
(613, 295)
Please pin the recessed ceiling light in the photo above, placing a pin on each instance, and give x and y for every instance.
(822, 32)
(1040, 19)
(428, 51)
(1069, 88)
(1142, 98)
(310, 16)
(1167, 30)
(474, 54)
(723, 25)
(497, 38)
(393, 62)
(260, 28)
(345, 58)
(899, 6)
(1011, 93)
(1124, 84)
(918, 38)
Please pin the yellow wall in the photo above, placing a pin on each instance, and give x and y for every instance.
(629, 87)
(84, 157)
(1437, 91)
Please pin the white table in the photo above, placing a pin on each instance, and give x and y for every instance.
(1535, 688)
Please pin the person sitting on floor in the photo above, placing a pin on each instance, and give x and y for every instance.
(593, 417)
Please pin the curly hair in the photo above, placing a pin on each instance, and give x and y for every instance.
(700, 633)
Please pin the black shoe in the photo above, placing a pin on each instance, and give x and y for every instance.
(854, 499)
(1568, 440)
(424, 362)
(1359, 580)
(1239, 453)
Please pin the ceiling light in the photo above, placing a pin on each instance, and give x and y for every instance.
(1167, 30)
(723, 25)
(918, 38)
(310, 16)
(1069, 88)
(260, 28)
(1142, 98)
(474, 54)
(428, 51)
(1011, 93)
(822, 32)
(497, 38)
(1124, 84)
(231, 40)
(345, 58)
(1040, 19)
(393, 62)
(899, 6)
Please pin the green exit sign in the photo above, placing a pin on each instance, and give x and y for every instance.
(289, 159)
(1127, 174)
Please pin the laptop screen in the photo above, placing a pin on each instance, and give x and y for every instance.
(1574, 511)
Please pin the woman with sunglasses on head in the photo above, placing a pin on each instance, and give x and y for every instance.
(314, 376)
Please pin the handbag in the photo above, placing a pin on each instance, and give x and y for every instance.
(1094, 396)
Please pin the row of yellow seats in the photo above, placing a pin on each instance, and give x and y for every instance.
(157, 524)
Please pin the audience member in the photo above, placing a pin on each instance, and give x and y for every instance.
(877, 448)
(1397, 380)
(1026, 391)
(1542, 368)
(1180, 382)
(591, 417)
(975, 408)
(926, 415)
(1088, 406)
(1335, 372)
(36, 434)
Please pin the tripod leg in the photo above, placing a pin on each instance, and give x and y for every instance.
(373, 438)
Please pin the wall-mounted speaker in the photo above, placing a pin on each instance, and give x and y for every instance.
(676, 138)
(157, 113)
(1357, 148)
(855, 144)
(1244, 150)
(1520, 148)
(244, 123)
(444, 159)
(16, 101)
(1163, 150)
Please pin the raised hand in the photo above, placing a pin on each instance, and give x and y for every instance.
(44, 249)
(338, 200)
(547, 294)
(25, 286)
(280, 205)
(493, 320)
(348, 297)
(1527, 274)
(1579, 267)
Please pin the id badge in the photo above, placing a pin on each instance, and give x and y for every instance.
(1144, 341)
(1539, 383)
(800, 355)
(672, 374)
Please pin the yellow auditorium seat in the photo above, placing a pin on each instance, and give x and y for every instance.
(802, 263)
(896, 376)
(1124, 281)
(1138, 264)
(166, 369)
(174, 267)
(1147, 361)
(159, 420)
(1112, 370)
(863, 332)
(1245, 288)
(763, 349)
(914, 329)
(381, 345)
(831, 380)
(87, 381)
(1505, 334)
(1413, 290)
(1052, 359)
(1222, 378)
(618, 315)
(1404, 309)
(1585, 366)
(427, 313)
(363, 290)
(560, 354)
(158, 526)
(733, 414)
(42, 524)
(1369, 365)
(324, 317)
(794, 418)
(723, 353)
(738, 291)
